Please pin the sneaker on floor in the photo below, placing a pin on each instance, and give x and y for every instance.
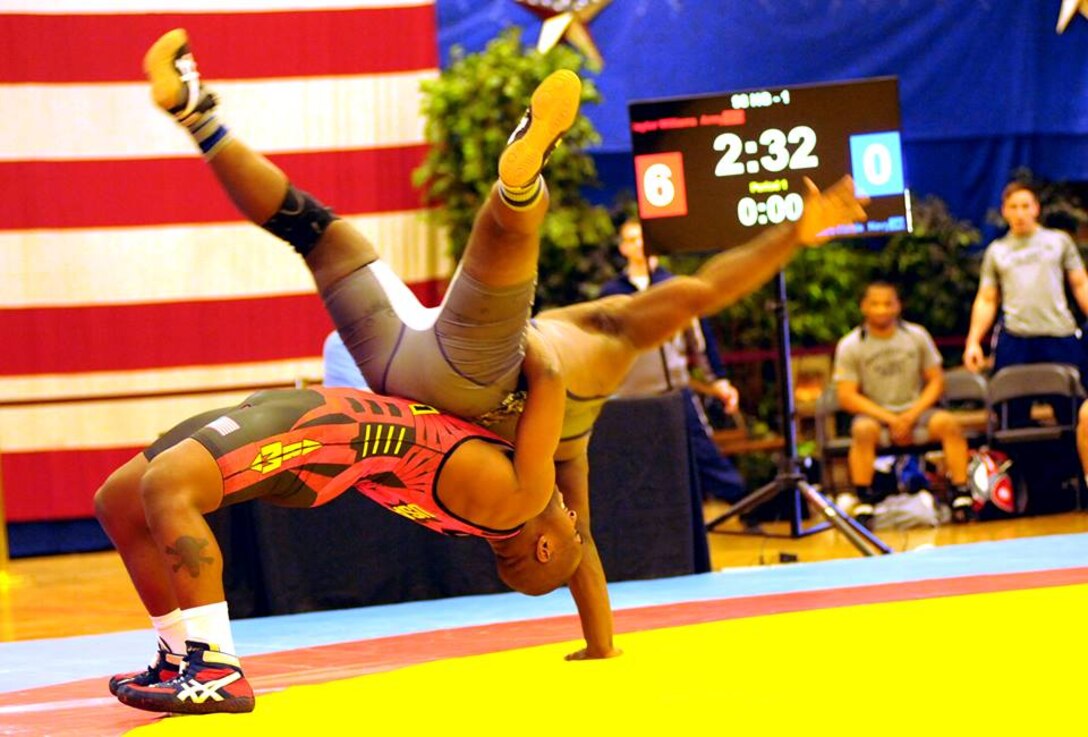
(552, 110)
(175, 81)
(210, 682)
(963, 509)
(166, 666)
(863, 513)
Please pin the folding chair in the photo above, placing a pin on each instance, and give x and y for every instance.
(1044, 455)
(966, 391)
(832, 435)
(1055, 383)
(963, 390)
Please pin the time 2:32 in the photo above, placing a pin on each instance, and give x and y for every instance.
(776, 146)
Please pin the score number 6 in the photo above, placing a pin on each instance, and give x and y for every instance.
(661, 189)
(657, 186)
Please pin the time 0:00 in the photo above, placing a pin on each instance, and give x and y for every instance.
(775, 210)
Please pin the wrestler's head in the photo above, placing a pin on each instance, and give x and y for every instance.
(544, 554)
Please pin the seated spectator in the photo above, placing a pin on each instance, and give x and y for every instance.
(888, 375)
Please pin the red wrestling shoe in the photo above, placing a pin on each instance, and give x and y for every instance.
(210, 682)
(166, 666)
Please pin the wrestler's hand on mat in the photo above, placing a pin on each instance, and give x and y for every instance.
(837, 205)
(584, 654)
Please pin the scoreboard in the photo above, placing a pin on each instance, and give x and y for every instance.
(712, 171)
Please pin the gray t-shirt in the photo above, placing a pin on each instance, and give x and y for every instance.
(889, 371)
(1030, 273)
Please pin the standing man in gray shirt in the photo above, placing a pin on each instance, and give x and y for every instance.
(1025, 273)
(888, 375)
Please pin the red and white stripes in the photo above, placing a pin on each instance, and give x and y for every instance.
(128, 281)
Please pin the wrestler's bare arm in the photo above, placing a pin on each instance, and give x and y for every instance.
(541, 423)
(731, 275)
(648, 318)
(588, 585)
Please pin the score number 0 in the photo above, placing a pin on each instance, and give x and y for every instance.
(876, 163)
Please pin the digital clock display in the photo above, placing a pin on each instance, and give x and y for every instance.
(713, 170)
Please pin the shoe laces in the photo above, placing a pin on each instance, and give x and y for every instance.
(523, 125)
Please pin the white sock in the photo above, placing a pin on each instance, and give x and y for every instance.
(211, 624)
(170, 628)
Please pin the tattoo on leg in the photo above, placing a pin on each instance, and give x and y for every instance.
(188, 550)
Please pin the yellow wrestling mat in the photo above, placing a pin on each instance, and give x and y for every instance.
(1010, 663)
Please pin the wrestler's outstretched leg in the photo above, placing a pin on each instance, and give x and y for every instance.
(473, 345)
(259, 189)
(502, 249)
(504, 246)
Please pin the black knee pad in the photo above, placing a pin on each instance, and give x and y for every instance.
(301, 220)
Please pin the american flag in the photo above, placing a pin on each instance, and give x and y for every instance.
(132, 294)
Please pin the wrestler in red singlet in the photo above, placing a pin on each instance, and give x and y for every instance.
(305, 447)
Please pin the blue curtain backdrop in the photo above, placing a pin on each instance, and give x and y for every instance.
(985, 85)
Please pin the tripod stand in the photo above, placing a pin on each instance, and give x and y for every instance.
(789, 478)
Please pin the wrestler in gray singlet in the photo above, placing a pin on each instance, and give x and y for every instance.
(464, 356)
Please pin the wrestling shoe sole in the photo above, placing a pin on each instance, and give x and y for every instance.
(552, 111)
(172, 88)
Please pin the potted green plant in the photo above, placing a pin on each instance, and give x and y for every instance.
(470, 110)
